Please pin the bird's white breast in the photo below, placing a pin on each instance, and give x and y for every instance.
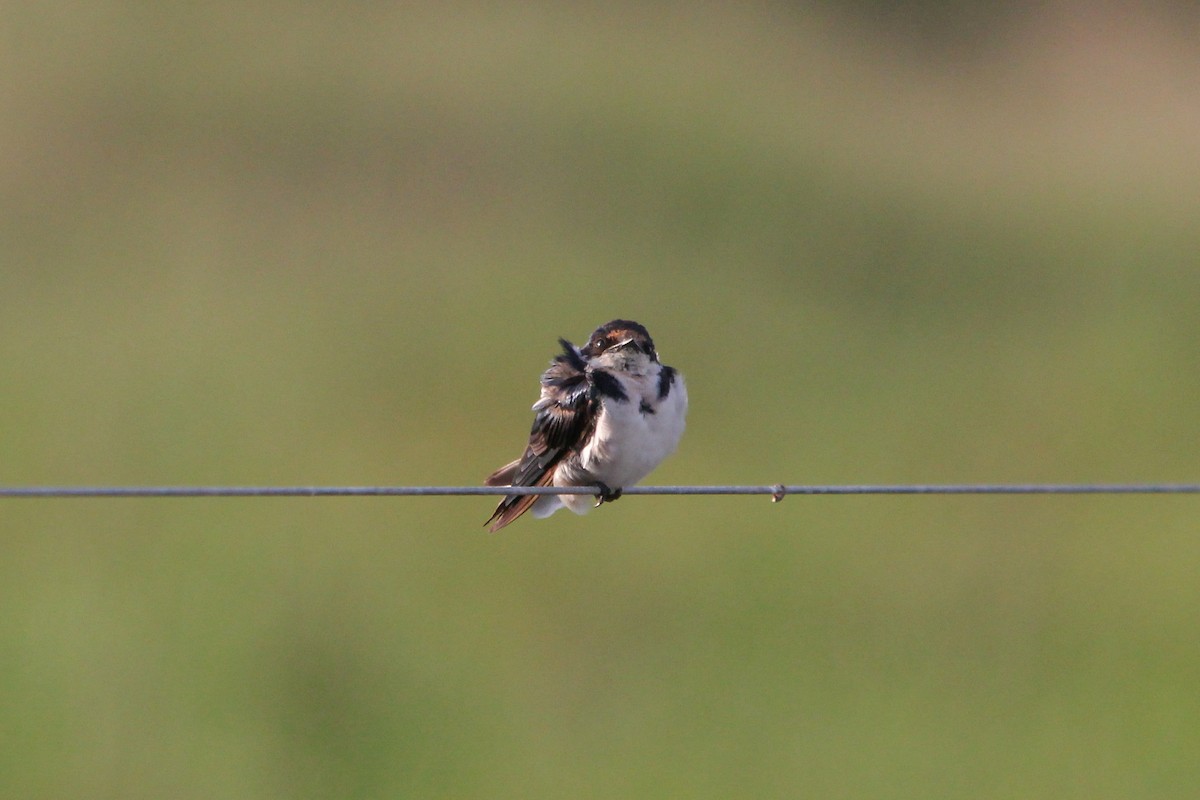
(629, 441)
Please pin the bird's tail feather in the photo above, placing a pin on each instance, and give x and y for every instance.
(513, 505)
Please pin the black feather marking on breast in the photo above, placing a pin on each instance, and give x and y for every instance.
(646, 408)
(608, 386)
(666, 377)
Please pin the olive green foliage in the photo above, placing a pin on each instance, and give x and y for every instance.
(260, 243)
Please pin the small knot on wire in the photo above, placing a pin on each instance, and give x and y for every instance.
(778, 492)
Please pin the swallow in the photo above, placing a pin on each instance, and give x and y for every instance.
(609, 413)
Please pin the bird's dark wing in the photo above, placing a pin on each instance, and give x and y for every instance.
(564, 414)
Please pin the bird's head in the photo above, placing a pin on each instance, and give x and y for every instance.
(620, 344)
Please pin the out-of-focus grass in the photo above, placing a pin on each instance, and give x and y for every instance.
(247, 244)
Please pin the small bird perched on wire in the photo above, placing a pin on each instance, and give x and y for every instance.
(609, 413)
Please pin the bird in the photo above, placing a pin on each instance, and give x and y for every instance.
(609, 413)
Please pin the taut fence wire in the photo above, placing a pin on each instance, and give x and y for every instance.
(776, 491)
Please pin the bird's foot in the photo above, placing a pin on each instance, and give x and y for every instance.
(606, 495)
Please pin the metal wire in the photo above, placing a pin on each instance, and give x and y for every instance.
(776, 491)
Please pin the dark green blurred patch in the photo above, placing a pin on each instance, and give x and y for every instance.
(256, 244)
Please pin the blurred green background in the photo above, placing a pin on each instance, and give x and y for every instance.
(262, 243)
